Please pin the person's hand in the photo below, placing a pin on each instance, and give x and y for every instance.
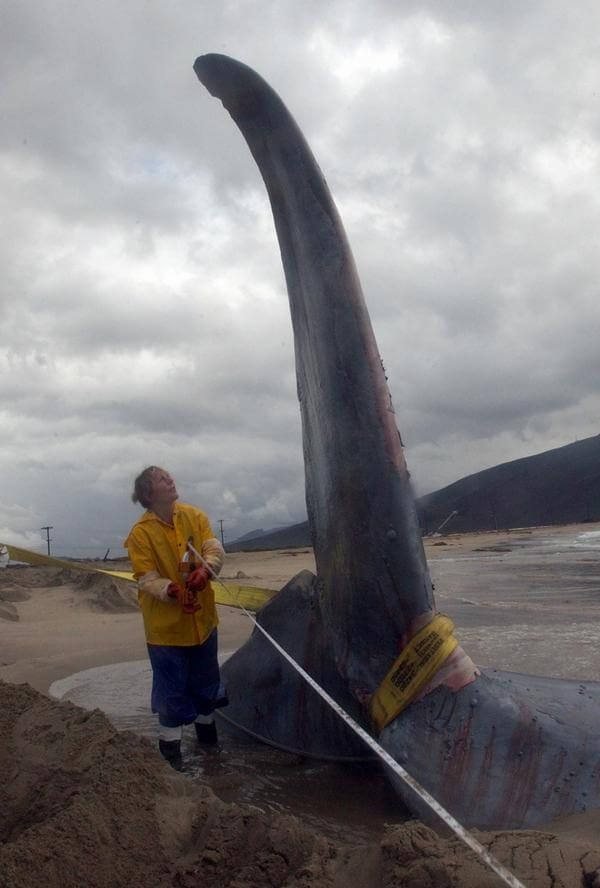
(189, 601)
(185, 597)
(197, 579)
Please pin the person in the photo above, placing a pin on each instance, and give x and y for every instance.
(178, 608)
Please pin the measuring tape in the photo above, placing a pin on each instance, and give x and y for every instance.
(464, 835)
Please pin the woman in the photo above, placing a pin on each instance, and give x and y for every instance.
(178, 606)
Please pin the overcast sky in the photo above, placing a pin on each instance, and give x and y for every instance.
(144, 317)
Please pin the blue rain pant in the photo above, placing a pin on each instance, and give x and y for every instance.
(186, 681)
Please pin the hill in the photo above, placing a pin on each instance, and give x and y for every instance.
(560, 486)
(254, 534)
(295, 536)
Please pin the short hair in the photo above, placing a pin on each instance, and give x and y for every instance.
(142, 487)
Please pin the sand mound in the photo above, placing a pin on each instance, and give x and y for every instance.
(85, 805)
(98, 591)
(105, 593)
(9, 593)
(12, 592)
(8, 611)
(31, 577)
(73, 812)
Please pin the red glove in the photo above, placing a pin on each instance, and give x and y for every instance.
(197, 579)
(185, 597)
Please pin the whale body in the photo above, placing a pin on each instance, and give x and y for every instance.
(496, 749)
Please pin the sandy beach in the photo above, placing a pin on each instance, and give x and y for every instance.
(525, 600)
(54, 623)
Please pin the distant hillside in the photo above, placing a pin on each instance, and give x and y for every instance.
(251, 535)
(296, 536)
(560, 486)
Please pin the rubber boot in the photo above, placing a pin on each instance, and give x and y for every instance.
(206, 734)
(171, 751)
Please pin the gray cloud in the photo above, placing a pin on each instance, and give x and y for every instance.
(143, 313)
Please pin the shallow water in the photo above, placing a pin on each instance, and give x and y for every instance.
(343, 801)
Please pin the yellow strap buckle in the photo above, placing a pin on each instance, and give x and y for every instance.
(414, 668)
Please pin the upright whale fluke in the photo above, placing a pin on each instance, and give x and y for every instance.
(496, 749)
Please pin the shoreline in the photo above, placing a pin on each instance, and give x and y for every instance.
(52, 631)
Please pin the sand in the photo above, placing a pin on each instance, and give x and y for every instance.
(54, 623)
(84, 804)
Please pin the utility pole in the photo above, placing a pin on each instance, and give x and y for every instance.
(48, 528)
(222, 540)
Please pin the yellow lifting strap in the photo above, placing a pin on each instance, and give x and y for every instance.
(234, 595)
(414, 668)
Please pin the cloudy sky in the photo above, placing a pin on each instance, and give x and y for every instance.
(143, 313)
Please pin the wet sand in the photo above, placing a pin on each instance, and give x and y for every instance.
(525, 601)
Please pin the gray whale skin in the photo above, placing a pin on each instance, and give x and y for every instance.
(497, 749)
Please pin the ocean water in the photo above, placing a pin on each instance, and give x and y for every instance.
(589, 539)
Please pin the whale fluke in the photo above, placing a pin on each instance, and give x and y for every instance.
(496, 749)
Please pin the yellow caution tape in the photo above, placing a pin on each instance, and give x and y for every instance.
(250, 597)
(234, 595)
(17, 554)
(414, 668)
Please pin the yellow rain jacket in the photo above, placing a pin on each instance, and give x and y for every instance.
(156, 550)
